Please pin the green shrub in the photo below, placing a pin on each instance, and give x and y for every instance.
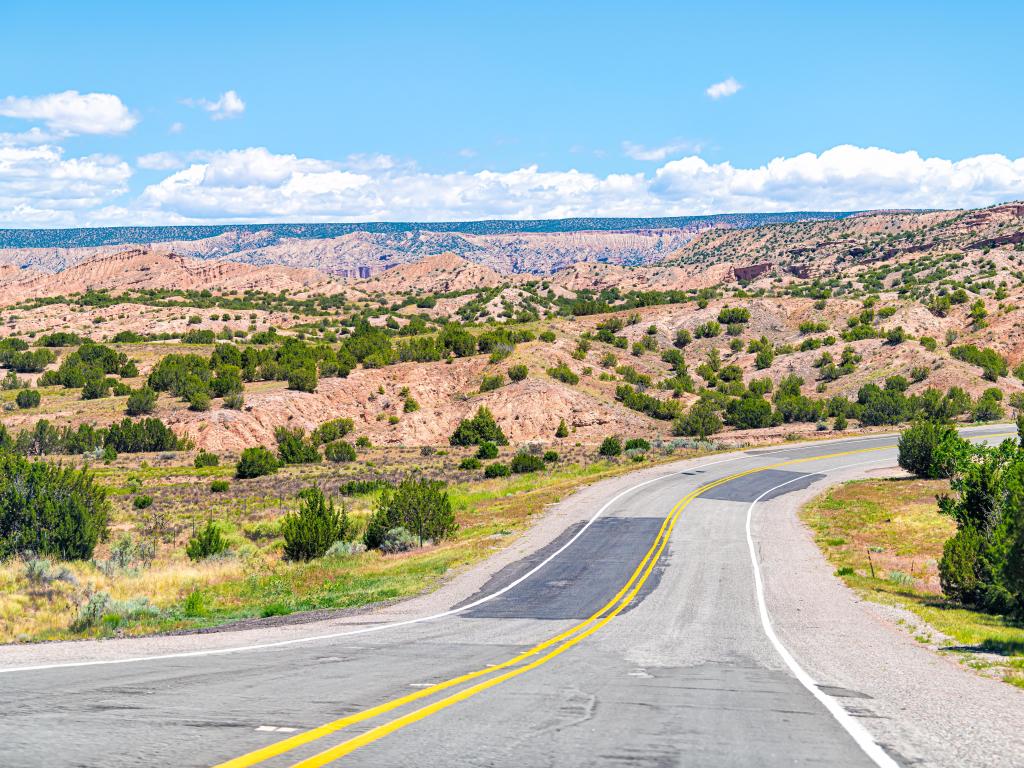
(219, 486)
(490, 383)
(142, 502)
(49, 510)
(517, 372)
(707, 330)
(987, 409)
(332, 430)
(550, 456)
(206, 459)
(256, 462)
(637, 444)
(470, 462)
(525, 462)
(397, 540)
(919, 448)
(294, 448)
(479, 429)
(303, 378)
(419, 505)
(96, 387)
(199, 401)
(701, 421)
(310, 532)
(563, 429)
(27, 398)
(497, 469)
(141, 401)
(487, 450)
(206, 542)
(564, 374)
(235, 401)
(547, 336)
(340, 451)
(610, 446)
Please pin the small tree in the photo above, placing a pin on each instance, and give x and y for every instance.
(917, 447)
(49, 510)
(303, 378)
(563, 429)
(294, 448)
(141, 401)
(340, 451)
(700, 422)
(487, 450)
(480, 428)
(206, 542)
(420, 506)
(525, 462)
(611, 446)
(206, 459)
(310, 532)
(255, 462)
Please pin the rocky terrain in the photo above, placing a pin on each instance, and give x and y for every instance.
(893, 294)
(363, 250)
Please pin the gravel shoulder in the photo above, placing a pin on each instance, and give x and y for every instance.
(925, 708)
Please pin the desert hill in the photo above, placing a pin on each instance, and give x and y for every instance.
(136, 269)
(361, 250)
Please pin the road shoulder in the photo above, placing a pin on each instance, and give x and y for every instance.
(924, 708)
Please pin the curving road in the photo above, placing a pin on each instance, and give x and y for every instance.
(658, 620)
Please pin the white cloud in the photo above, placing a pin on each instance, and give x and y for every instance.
(71, 113)
(727, 87)
(467, 152)
(657, 154)
(39, 187)
(255, 184)
(176, 127)
(843, 178)
(229, 105)
(160, 161)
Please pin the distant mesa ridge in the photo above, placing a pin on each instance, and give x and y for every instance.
(92, 237)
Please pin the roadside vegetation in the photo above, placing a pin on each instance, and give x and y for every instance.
(947, 544)
(205, 547)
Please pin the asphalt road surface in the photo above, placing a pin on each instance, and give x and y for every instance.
(636, 638)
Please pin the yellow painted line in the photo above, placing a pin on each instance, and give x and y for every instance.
(570, 637)
(272, 750)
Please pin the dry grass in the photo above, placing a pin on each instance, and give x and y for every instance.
(255, 581)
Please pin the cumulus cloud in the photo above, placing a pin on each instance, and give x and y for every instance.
(71, 113)
(727, 87)
(657, 154)
(843, 178)
(255, 185)
(40, 187)
(229, 105)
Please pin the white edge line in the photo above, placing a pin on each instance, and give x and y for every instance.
(740, 454)
(375, 627)
(856, 729)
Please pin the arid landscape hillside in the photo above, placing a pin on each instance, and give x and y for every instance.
(908, 303)
(361, 250)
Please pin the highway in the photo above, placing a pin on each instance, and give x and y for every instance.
(642, 633)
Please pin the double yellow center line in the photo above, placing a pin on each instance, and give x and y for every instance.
(534, 657)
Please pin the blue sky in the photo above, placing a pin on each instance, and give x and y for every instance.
(338, 111)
